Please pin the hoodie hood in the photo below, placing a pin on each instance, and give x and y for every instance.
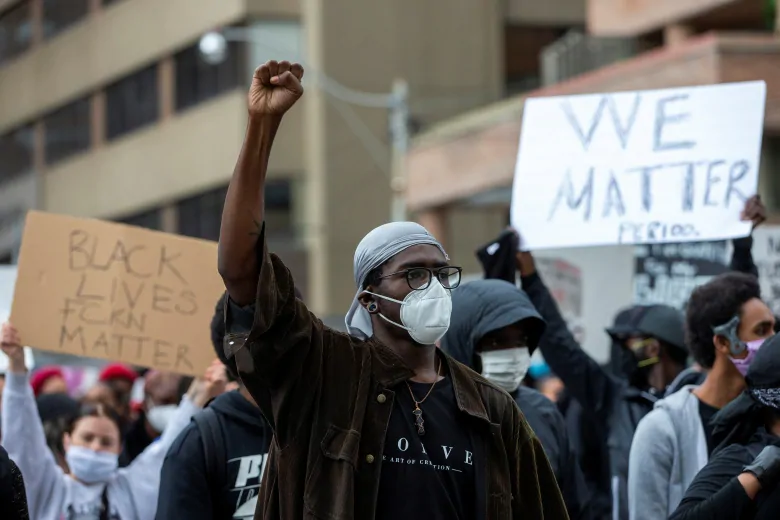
(676, 402)
(689, 376)
(483, 306)
(237, 408)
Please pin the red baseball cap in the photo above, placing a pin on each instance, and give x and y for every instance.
(39, 378)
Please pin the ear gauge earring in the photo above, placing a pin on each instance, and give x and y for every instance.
(372, 307)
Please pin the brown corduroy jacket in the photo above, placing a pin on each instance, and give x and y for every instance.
(328, 397)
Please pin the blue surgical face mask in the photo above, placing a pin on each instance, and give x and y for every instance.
(90, 466)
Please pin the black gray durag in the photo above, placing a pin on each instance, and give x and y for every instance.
(376, 248)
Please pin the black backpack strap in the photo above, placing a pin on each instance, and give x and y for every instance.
(213, 449)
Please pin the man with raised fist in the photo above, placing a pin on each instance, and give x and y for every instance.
(377, 423)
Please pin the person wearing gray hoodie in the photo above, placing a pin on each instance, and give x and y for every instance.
(94, 487)
(726, 323)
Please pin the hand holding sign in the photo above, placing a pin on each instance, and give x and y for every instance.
(12, 347)
(754, 211)
(111, 291)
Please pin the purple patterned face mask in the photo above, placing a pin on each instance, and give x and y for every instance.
(752, 349)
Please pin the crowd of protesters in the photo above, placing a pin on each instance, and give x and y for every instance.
(428, 407)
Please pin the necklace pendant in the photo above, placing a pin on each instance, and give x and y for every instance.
(418, 421)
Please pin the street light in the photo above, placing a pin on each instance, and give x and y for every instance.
(213, 49)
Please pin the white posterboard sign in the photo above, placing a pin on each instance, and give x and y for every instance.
(7, 283)
(656, 166)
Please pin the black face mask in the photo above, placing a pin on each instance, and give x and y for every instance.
(637, 376)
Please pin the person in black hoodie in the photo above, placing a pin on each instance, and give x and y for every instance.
(741, 481)
(494, 329)
(13, 498)
(217, 477)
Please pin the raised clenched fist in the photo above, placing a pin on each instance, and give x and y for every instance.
(11, 345)
(276, 86)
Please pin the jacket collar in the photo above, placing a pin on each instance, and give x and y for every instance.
(390, 370)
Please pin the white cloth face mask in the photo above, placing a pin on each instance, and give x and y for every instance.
(425, 314)
(506, 368)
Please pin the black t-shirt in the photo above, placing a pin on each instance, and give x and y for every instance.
(707, 412)
(428, 477)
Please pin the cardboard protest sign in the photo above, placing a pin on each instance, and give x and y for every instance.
(116, 292)
(668, 273)
(657, 166)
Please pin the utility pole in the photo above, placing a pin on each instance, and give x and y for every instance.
(399, 134)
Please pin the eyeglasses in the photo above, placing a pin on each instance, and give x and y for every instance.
(419, 278)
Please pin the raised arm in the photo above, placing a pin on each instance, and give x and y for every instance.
(23, 435)
(742, 256)
(593, 387)
(277, 343)
(275, 88)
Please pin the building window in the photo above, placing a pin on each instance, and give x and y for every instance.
(278, 210)
(132, 103)
(15, 31)
(198, 81)
(68, 131)
(16, 152)
(200, 216)
(151, 219)
(522, 55)
(58, 15)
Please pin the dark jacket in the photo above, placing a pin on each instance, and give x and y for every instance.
(13, 499)
(609, 399)
(187, 490)
(328, 398)
(716, 494)
(137, 439)
(483, 306)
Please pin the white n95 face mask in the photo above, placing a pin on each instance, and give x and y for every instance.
(506, 368)
(425, 314)
(160, 416)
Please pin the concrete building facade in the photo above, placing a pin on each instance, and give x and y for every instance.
(107, 110)
(464, 167)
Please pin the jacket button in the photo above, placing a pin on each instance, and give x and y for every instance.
(369, 458)
(381, 398)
